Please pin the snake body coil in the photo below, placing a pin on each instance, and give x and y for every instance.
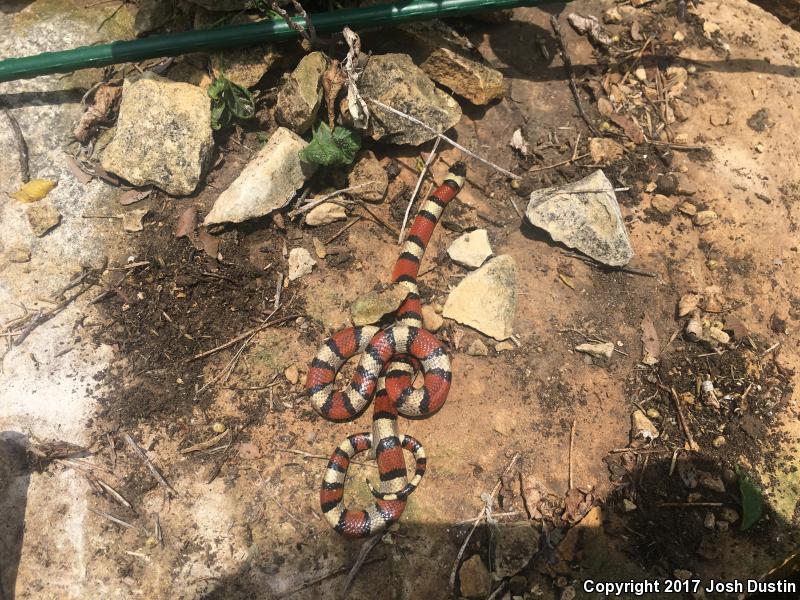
(389, 358)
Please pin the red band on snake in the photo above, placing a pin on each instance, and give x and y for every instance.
(385, 371)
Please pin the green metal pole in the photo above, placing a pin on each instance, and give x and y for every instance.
(377, 15)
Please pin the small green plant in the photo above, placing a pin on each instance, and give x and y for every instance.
(228, 101)
(752, 500)
(331, 149)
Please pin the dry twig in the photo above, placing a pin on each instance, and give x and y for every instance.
(153, 469)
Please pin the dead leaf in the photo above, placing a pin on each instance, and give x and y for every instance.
(104, 103)
(34, 190)
(332, 81)
(631, 128)
(604, 107)
(651, 347)
(590, 25)
(187, 222)
(77, 171)
(210, 243)
(134, 196)
(132, 220)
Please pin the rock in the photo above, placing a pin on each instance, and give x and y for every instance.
(266, 184)
(431, 320)
(678, 36)
(471, 249)
(604, 350)
(515, 545)
(710, 27)
(394, 80)
(604, 150)
(663, 204)
(469, 79)
(760, 121)
(300, 263)
(711, 482)
(728, 515)
(244, 66)
(719, 441)
(373, 306)
(370, 174)
(589, 222)
(568, 593)
(666, 183)
(152, 14)
(486, 299)
(477, 348)
(612, 15)
(684, 186)
(705, 217)
(218, 427)
(519, 144)
(319, 248)
(709, 521)
(628, 506)
(300, 98)
(42, 217)
(688, 209)
(504, 346)
(642, 427)
(132, 220)
(325, 213)
(706, 332)
(687, 304)
(474, 578)
(18, 254)
(653, 413)
(292, 374)
(163, 135)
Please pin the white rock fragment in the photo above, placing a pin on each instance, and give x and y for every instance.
(325, 213)
(599, 350)
(471, 249)
(486, 299)
(300, 263)
(266, 184)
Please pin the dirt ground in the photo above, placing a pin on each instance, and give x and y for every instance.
(242, 519)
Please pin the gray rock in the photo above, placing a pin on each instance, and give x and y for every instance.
(266, 184)
(163, 135)
(43, 216)
(152, 14)
(515, 546)
(587, 221)
(300, 263)
(300, 98)
(469, 79)
(373, 306)
(396, 81)
(486, 299)
(471, 249)
(477, 348)
(474, 578)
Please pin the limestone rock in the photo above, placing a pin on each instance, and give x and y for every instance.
(486, 299)
(394, 80)
(605, 151)
(588, 221)
(266, 184)
(475, 580)
(469, 79)
(663, 204)
(300, 263)
(325, 213)
(373, 306)
(299, 100)
(431, 320)
(515, 545)
(18, 254)
(477, 348)
(163, 135)
(471, 249)
(705, 217)
(369, 173)
(642, 427)
(245, 66)
(43, 216)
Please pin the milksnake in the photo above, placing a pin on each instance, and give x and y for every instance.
(389, 359)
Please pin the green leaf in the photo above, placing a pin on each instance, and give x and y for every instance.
(229, 100)
(331, 149)
(752, 501)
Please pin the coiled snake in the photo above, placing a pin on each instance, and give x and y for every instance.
(389, 358)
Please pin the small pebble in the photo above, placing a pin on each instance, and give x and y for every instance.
(292, 374)
(709, 521)
(653, 413)
(218, 427)
(678, 37)
(718, 441)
